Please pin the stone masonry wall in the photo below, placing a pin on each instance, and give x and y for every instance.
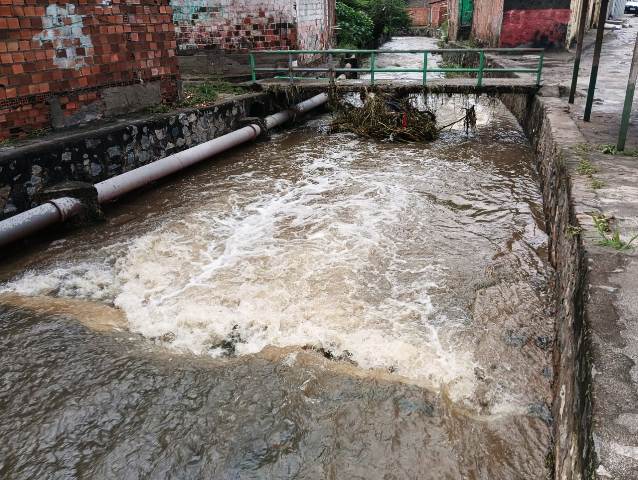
(102, 153)
(573, 457)
(57, 59)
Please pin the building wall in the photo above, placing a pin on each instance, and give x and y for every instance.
(63, 64)
(453, 19)
(424, 14)
(486, 25)
(240, 25)
(315, 23)
(539, 23)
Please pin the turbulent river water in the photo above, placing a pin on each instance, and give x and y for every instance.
(312, 306)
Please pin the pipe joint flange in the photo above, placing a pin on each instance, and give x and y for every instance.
(67, 207)
(260, 122)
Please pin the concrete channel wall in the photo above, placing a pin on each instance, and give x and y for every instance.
(553, 139)
(95, 154)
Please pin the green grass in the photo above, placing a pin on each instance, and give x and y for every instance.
(597, 184)
(208, 92)
(611, 238)
(573, 231)
(585, 167)
(160, 108)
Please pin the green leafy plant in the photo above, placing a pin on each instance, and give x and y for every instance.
(608, 149)
(355, 27)
(388, 16)
(611, 238)
(597, 184)
(573, 231)
(585, 167)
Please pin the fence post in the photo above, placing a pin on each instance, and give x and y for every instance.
(331, 67)
(539, 74)
(373, 61)
(593, 76)
(479, 81)
(290, 75)
(582, 22)
(253, 74)
(629, 99)
(425, 68)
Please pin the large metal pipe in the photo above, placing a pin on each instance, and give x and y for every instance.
(58, 210)
(117, 186)
(26, 223)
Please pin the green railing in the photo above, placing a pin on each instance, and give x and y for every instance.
(332, 69)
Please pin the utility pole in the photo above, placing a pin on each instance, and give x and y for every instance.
(629, 99)
(584, 6)
(596, 61)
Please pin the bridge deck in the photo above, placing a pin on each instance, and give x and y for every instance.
(452, 86)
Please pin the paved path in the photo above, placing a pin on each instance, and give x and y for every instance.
(612, 306)
(610, 88)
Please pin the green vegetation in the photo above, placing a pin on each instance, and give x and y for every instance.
(609, 149)
(597, 184)
(573, 231)
(355, 27)
(445, 28)
(611, 238)
(361, 23)
(207, 92)
(585, 167)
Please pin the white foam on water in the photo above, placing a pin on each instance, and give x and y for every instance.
(319, 259)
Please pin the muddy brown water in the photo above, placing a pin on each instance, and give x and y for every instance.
(312, 306)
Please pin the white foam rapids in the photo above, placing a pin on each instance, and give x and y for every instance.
(321, 258)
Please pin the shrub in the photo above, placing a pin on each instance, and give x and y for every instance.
(355, 26)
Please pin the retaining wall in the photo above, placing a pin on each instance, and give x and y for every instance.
(100, 153)
(551, 136)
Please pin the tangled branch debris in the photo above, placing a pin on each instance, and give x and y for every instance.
(385, 118)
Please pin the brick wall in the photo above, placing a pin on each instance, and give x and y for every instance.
(56, 59)
(431, 14)
(240, 25)
(542, 23)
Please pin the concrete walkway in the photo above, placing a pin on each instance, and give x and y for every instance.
(607, 185)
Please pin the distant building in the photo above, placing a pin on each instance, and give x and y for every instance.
(522, 23)
(427, 13)
(241, 25)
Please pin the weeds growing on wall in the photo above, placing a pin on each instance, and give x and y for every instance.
(208, 92)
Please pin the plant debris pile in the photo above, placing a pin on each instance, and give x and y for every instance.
(383, 117)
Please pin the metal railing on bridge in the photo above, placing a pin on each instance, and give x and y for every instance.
(332, 69)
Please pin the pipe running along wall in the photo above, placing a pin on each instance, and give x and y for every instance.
(60, 209)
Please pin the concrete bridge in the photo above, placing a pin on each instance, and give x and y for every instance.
(463, 86)
(344, 70)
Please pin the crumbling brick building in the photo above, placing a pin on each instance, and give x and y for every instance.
(66, 63)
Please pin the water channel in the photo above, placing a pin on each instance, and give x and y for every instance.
(312, 306)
